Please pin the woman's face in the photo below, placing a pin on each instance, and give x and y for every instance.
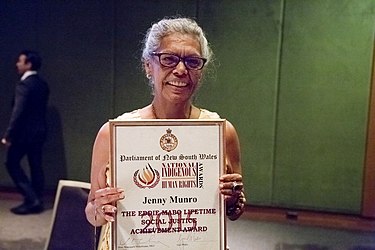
(176, 84)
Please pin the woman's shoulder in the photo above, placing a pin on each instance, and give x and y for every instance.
(206, 114)
(135, 114)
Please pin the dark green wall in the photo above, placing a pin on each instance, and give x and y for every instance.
(292, 76)
(323, 100)
(246, 41)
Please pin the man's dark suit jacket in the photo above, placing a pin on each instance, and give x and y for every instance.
(28, 120)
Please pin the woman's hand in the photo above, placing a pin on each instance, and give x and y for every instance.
(104, 200)
(231, 186)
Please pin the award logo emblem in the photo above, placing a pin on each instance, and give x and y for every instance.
(147, 177)
(168, 141)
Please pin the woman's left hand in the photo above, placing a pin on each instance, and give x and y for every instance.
(231, 187)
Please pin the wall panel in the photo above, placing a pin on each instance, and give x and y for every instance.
(323, 104)
(243, 85)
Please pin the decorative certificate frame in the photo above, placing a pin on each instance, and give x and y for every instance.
(170, 172)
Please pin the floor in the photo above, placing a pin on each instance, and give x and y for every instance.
(253, 231)
(22, 232)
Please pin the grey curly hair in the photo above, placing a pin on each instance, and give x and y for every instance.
(169, 25)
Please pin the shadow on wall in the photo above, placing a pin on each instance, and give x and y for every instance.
(54, 160)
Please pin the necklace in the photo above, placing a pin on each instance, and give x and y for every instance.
(156, 117)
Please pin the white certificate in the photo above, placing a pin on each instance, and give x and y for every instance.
(170, 172)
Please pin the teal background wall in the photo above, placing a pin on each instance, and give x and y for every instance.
(325, 78)
(293, 77)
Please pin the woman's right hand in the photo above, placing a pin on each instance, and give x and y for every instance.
(104, 201)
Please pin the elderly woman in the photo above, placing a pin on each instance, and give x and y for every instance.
(174, 56)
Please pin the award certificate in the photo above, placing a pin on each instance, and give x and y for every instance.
(170, 172)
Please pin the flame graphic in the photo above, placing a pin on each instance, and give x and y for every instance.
(147, 175)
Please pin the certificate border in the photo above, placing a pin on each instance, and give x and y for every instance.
(165, 122)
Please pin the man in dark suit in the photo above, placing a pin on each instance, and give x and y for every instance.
(26, 133)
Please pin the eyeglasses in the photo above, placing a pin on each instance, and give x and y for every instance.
(171, 60)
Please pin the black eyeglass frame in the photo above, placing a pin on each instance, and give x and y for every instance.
(183, 59)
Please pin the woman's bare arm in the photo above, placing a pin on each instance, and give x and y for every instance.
(234, 197)
(99, 208)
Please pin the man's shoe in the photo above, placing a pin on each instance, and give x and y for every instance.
(28, 208)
